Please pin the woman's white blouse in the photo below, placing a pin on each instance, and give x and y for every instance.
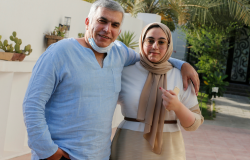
(133, 79)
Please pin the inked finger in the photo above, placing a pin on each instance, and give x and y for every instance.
(163, 91)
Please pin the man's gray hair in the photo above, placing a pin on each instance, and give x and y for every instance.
(109, 4)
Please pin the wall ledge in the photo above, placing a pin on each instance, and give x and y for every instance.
(16, 66)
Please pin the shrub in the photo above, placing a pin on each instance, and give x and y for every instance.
(127, 37)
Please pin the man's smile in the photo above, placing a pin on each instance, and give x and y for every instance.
(104, 36)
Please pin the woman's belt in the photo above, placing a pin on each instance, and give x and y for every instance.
(165, 122)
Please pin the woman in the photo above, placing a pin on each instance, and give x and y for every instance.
(150, 130)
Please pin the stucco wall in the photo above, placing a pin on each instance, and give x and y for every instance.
(179, 45)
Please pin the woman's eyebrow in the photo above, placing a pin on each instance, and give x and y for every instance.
(158, 38)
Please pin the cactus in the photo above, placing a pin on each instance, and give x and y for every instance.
(11, 38)
(17, 48)
(16, 40)
(9, 47)
(1, 44)
(5, 43)
(28, 49)
(20, 42)
(14, 33)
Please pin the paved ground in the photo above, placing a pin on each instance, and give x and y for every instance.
(225, 138)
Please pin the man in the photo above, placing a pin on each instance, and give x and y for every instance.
(74, 87)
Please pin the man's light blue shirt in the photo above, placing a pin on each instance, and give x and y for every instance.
(70, 100)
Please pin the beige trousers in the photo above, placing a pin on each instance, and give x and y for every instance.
(130, 145)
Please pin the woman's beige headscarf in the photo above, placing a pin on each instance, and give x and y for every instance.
(151, 110)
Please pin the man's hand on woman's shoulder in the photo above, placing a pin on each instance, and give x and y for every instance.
(188, 72)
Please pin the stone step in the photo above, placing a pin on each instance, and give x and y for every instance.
(237, 93)
(238, 89)
(244, 86)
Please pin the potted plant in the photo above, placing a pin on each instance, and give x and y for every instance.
(55, 36)
(80, 35)
(10, 53)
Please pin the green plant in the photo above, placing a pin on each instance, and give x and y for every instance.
(80, 35)
(59, 31)
(90, 1)
(215, 80)
(9, 47)
(207, 46)
(127, 37)
(203, 104)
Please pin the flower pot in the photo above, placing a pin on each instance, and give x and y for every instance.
(52, 39)
(8, 56)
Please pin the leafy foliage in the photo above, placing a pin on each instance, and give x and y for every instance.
(208, 44)
(80, 35)
(170, 11)
(127, 37)
(196, 12)
(219, 12)
(131, 6)
(59, 31)
(215, 80)
(90, 1)
(203, 104)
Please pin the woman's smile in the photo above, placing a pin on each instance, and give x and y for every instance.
(154, 53)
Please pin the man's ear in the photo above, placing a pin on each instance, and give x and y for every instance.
(120, 32)
(87, 23)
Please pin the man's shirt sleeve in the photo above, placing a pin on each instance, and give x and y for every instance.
(176, 62)
(130, 56)
(42, 84)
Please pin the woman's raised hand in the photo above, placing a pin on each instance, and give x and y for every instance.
(170, 100)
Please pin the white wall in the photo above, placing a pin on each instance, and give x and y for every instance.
(148, 18)
(14, 78)
(31, 19)
(179, 45)
(134, 25)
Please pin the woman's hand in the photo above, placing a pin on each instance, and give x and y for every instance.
(170, 100)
